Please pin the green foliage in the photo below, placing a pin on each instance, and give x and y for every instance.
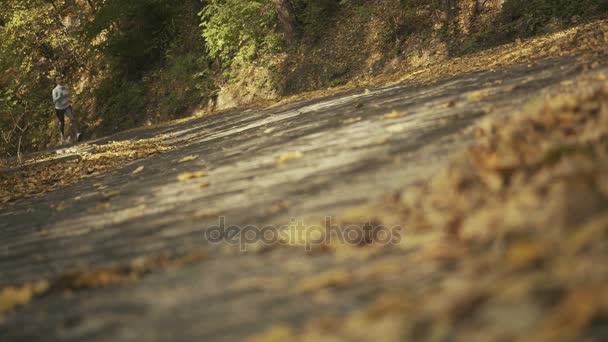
(135, 61)
(136, 33)
(28, 46)
(236, 31)
(119, 101)
(183, 83)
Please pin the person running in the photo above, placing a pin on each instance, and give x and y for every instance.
(63, 107)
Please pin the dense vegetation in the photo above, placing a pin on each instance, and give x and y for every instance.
(139, 62)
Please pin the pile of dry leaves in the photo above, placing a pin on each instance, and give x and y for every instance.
(41, 178)
(508, 242)
(588, 42)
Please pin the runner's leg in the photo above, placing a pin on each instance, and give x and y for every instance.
(60, 116)
(75, 127)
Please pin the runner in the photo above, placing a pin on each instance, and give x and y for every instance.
(63, 107)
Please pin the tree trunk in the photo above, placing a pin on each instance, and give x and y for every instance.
(287, 19)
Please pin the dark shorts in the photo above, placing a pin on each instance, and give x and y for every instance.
(62, 113)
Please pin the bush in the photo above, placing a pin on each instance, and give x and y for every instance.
(120, 103)
(236, 31)
(182, 85)
(136, 33)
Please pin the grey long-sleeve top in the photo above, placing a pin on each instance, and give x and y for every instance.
(61, 97)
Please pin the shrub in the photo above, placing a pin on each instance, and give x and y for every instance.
(119, 103)
(236, 31)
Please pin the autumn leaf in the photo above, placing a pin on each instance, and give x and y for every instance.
(392, 115)
(12, 297)
(192, 175)
(206, 213)
(289, 156)
(188, 158)
(327, 279)
(138, 170)
(279, 333)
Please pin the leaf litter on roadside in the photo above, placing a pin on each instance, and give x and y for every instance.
(521, 220)
(15, 296)
(35, 180)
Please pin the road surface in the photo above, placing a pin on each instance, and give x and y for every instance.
(348, 153)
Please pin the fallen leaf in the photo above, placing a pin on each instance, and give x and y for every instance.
(12, 297)
(395, 128)
(351, 120)
(261, 283)
(110, 194)
(526, 253)
(138, 170)
(188, 158)
(392, 115)
(206, 213)
(327, 279)
(279, 333)
(569, 319)
(192, 175)
(289, 156)
(477, 96)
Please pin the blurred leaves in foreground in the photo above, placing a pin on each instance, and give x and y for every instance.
(517, 245)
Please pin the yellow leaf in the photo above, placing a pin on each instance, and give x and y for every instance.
(206, 213)
(110, 194)
(138, 170)
(395, 128)
(278, 333)
(288, 156)
(12, 297)
(191, 175)
(351, 120)
(477, 96)
(327, 279)
(392, 115)
(187, 159)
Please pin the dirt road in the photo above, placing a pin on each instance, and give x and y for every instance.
(305, 160)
